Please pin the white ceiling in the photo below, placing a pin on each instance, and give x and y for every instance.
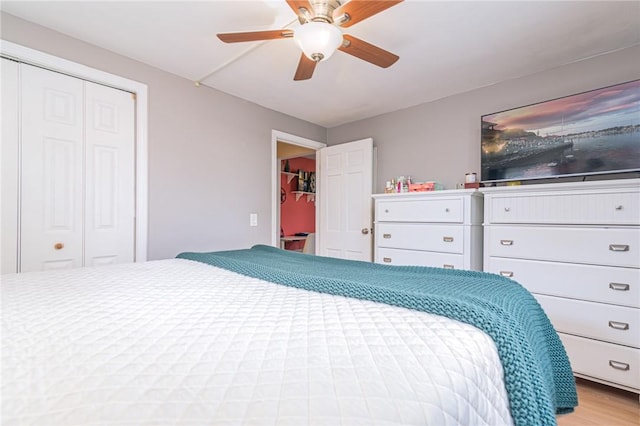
(445, 47)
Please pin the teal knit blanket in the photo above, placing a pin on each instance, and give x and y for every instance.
(537, 374)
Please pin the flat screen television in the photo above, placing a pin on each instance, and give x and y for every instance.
(595, 132)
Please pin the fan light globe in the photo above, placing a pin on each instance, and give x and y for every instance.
(318, 40)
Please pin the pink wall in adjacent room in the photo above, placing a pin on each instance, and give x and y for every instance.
(297, 216)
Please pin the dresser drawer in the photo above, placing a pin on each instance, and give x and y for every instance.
(605, 361)
(389, 256)
(610, 323)
(441, 238)
(595, 208)
(608, 284)
(597, 246)
(440, 210)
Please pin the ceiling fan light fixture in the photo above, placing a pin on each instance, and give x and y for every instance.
(318, 40)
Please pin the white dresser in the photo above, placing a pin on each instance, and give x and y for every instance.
(576, 247)
(439, 228)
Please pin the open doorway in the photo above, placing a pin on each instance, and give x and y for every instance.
(297, 214)
(297, 199)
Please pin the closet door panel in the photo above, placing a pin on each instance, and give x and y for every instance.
(51, 168)
(9, 167)
(109, 200)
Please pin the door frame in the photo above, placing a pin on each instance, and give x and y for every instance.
(277, 135)
(140, 90)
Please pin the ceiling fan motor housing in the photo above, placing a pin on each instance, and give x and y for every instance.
(323, 10)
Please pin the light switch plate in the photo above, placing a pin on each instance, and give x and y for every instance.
(253, 219)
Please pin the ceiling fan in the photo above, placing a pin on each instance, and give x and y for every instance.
(318, 35)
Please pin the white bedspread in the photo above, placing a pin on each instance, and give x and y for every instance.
(179, 342)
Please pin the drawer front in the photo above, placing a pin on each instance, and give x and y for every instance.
(389, 256)
(440, 210)
(596, 246)
(607, 284)
(442, 238)
(618, 208)
(605, 361)
(610, 323)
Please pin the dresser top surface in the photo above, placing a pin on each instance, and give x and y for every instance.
(599, 185)
(428, 194)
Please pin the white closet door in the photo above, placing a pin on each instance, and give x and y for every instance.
(51, 169)
(109, 201)
(9, 167)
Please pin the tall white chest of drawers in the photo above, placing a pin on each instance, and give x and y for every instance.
(576, 247)
(439, 228)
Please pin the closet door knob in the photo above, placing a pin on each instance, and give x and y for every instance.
(619, 207)
(58, 246)
(365, 231)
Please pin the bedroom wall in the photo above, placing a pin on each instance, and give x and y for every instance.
(202, 185)
(440, 140)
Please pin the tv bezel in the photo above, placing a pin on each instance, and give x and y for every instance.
(553, 176)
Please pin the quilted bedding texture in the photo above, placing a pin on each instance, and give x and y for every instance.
(183, 343)
(538, 376)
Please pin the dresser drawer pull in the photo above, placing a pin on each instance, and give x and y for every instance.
(619, 286)
(619, 365)
(619, 207)
(507, 209)
(619, 325)
(507, 274)
(447, 239)
(387, 236)
(506, 242)
(386, 259)
(619, 247)
(447, 266)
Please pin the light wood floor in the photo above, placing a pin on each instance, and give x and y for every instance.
(602, 405)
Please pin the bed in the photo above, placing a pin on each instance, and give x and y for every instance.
(264, 336)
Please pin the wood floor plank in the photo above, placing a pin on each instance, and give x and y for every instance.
(600, 405)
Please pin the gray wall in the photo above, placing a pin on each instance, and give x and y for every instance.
(209, 152)
(440, 140)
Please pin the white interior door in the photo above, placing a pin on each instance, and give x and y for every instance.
(9, 167)
(51, 170)
(344, 196)
(109, 159)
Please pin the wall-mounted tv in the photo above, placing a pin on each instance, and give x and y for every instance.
(595, 132)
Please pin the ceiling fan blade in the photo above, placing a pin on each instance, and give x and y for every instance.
(299, 7)
(359, 10)
(305, 69)
(255, 36)
(367, 52)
